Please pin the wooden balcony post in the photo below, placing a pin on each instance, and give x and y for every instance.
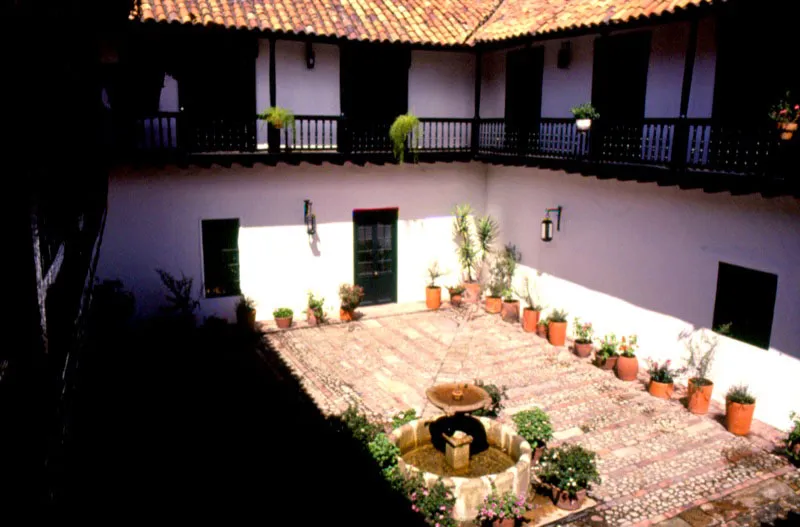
(680, 142)
(476, 120)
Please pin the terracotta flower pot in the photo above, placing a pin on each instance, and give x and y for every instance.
(510, 311)
(662, 390)
(346, 315)
(311, 318)
(455, 300)
(246, 318)
(563, 500)
(541, 330)
(472, 292)
(788, 130)
(493, 304)
(284, 322)
(530, 319)
(609, 364)
(505, 522)
(699, 397)
(583, 349)
(433, 297)
(557, 333)
(627, 368)
(739, 417)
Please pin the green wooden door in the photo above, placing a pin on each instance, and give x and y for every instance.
(375, 254)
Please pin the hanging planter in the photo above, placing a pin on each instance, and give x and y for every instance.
(278, 117)
(402, 128)
(786, 114)
(584, 114)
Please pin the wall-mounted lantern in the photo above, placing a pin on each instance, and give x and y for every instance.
(311, 57)
(547, 223)
(309, 218)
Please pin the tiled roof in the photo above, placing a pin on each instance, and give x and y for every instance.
(444, 22)
(528, 17)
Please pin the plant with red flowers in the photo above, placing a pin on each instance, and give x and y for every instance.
(786, 111)
(498, 507)
(435, 504)
(627, 346)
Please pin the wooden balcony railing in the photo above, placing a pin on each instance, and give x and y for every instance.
(694, 145)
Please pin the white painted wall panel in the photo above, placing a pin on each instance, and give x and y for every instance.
(442, 84)
(665, 71)
(701, 99)
(564, 88)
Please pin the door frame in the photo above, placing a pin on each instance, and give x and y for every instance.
(395, 252)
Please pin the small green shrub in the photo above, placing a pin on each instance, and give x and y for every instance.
(282, 312)
(662, 372)
(383, 451)
(278, 117)
(401, 128)
(794, 439)
(498, 506)
(570, 468)
(350, 296)
(359, 425)
(534, 425)
(740, 393)
(497, 395)
(584, 111)
(434, 504)
(456, 290)
(558, 315)
(403, 418)
(315, 305)
(434, 273)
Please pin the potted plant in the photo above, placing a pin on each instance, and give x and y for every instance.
(701, 347)
(350, 297)
(627, 367)
(793, 441)
(541, 328)
(509, 311)
(584, 113)
(739, 407)
(278, 117)
(534, 425)
(314, 312)
(662, 378)
(473, 248)
(531, 313)
(402, 127)
(786, 114)
(456, 293)
(501, 510)
(506, 267)
(433, 293)
(606, 357)
(283, 317)
(246, 313)
(568, 470)
(557, 327)
(583, 338)
(494, 300)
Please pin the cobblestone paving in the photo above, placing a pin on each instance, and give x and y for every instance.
(659, 463)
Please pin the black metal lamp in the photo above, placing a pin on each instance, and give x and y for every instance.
(311, 57)
(309, 218)
(547, 223)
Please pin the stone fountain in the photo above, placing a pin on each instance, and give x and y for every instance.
(469, 454)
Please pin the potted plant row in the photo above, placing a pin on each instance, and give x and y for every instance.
(350, 296)
(283, 317)
(433, 293)
(583, 338)
(568, 470)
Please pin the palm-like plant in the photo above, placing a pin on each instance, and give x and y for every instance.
(467, 254)
(487, 231)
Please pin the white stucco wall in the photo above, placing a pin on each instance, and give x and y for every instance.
(638, 258)
(168, 101)
(442, 84)
(154, 222)
(564, 88)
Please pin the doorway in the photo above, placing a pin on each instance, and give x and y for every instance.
(524, 69)
(375, 254)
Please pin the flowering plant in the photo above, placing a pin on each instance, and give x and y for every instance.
(793, 441)
(351, 296)
(608, 347)
(661, 372)
(583, 331)
(628, 348)
(534, 425)
(785, 111)
(502, 506)
(569, 468)
(435, 504)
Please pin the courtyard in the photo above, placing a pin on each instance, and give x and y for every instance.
(658, 462)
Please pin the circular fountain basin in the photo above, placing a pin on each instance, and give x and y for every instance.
(414, 437)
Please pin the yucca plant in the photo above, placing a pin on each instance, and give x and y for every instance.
(401, 128)
(278, 117)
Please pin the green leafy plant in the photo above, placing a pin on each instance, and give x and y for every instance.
(433, 274)
(628, 345)
(435, 504)
(245, 304)
(608, 347)
(584, 332)
(793, 440)
(278, 117)
(584, 111)
(785, 111)
(529, 296)
(558, 315)
(404, 417)
(315, 305)
(740, 393)
(570, 468)
(701, 348)
(350, 296)
(282, 312)
(383, 451)
(456, 290)
(401, 128)
(179, 294)
(662, 371)
(486, 230)
(462, 232)
(496, 288)
(534, 425)
(359, 425)
(503, 506)
(724, 329)
(497, 395)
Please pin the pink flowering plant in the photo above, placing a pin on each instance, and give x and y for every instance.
(785, 111)
(435, 504)
(583, 331)
(570, 468)
(663, 372)
(628, 346)
(498, 506)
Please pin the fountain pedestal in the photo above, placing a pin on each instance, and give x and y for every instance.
(457, 449)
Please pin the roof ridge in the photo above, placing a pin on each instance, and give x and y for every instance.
(483, 22)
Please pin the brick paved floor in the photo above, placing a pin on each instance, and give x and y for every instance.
(659, 463)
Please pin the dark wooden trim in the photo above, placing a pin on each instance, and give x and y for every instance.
(688, 69)
(273, 82)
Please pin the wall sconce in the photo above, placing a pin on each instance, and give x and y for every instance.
(309, 218)
(547, 223)
(311, 57)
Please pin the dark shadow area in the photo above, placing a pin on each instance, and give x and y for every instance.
(173, 420)
(467, 424)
